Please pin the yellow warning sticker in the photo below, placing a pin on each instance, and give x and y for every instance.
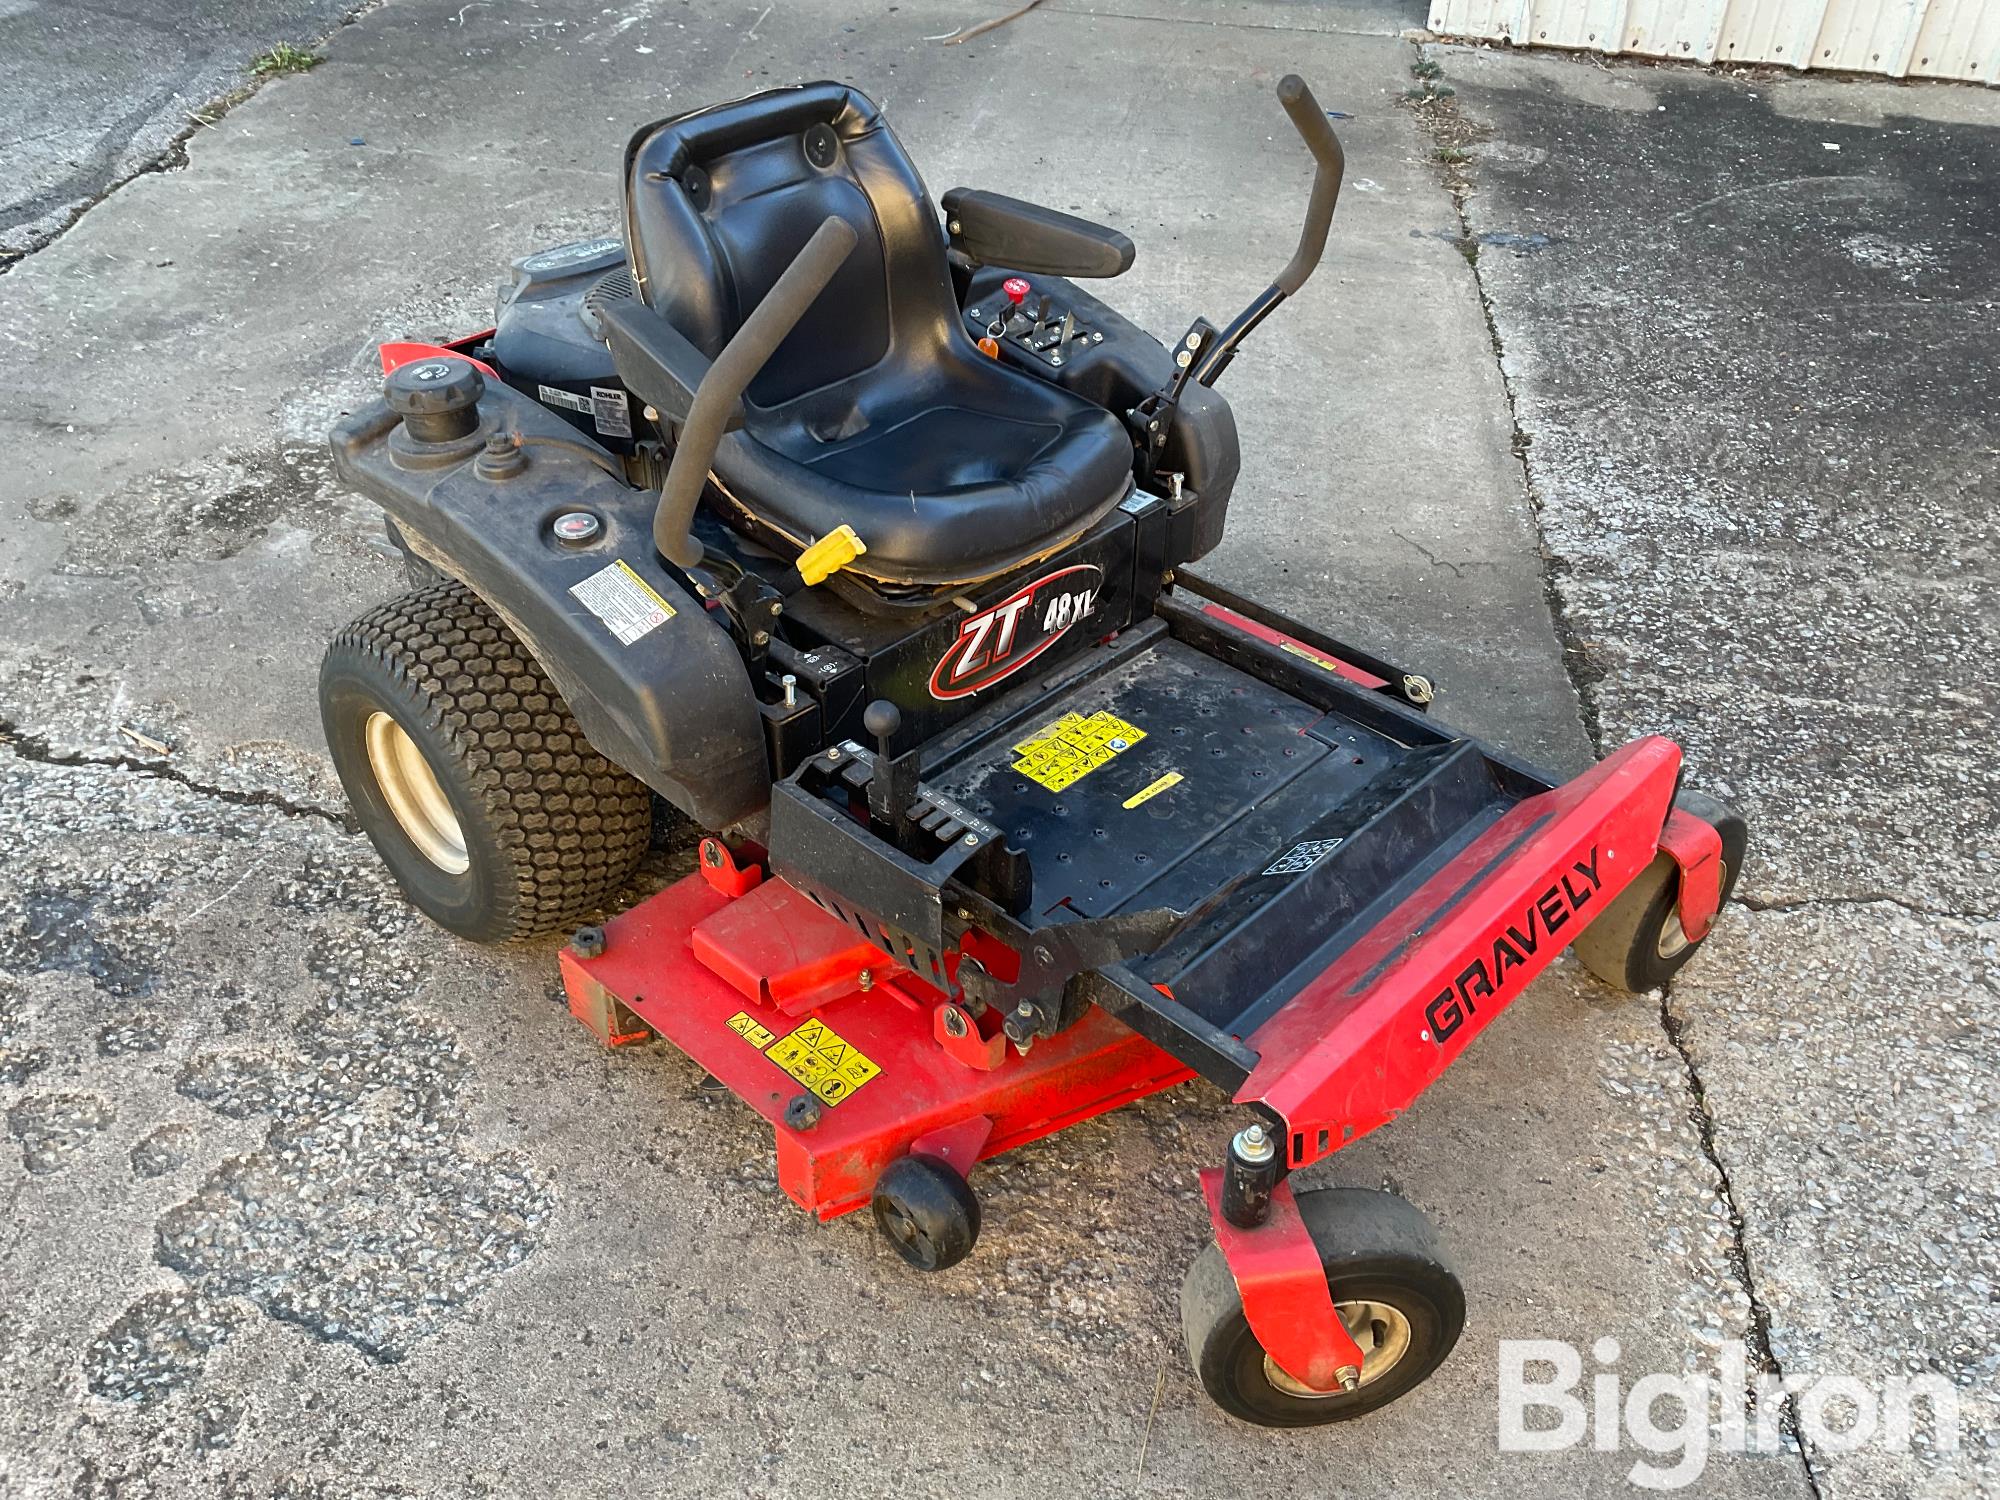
(1074, 746)
(757, 1036)
(1323, 663)
(822, 1060)
(1172, 778)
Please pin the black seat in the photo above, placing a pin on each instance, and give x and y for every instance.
(878, 411)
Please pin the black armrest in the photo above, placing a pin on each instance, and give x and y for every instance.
(656, 363)
(992, 230)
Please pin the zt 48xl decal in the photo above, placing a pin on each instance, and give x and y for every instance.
(1489, 974)
(1003, 638)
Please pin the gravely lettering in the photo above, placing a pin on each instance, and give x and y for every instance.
(1489, 975)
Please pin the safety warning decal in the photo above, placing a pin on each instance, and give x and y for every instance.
(822, 1060)
(1302, 857)
(624, 601)
(1147, 793)
(757, 1036)
(1074, 746)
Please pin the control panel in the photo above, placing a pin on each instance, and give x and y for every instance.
(1032, 323)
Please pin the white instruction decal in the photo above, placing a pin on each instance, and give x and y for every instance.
(1302, 857)
(614, 417)
(624, 601)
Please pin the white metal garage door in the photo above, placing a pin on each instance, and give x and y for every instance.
(1902, 38)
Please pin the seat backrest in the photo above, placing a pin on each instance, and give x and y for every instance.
(718, 202)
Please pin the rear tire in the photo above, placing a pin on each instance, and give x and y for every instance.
(1391, 1284)
(1638, 944)
(466, 770)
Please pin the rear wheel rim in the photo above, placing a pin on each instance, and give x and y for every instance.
(410, 787)
(1382, 1331)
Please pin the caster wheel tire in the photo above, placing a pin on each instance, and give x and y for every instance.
(1391, 1286)
(927, 1211)
(465, 769)
(1638, 944)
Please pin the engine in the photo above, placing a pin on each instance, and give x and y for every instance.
(546, 341)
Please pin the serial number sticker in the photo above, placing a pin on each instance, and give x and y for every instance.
(624, 601)
(1144, 794)
(1302, 857)
(1074, 746)
(552, 395)
(745, 1026)
(823, 1060)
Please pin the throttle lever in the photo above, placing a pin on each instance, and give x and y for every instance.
(892, 784)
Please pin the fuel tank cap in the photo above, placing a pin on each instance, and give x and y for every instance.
(437, 397)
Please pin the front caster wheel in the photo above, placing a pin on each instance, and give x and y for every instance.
(465, 769)
(927, 1211)
(1638, 944)
(1391, 1287)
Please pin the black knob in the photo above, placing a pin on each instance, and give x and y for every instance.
(892, 783)
(438, 399)
(882, 719)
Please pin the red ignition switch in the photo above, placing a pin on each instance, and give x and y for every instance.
(1016, 288)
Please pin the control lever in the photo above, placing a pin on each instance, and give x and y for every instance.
(1017, 289)
(1152, 421)
(1317, 132)
(892, 785)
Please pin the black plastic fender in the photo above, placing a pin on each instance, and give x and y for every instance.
(674, 706)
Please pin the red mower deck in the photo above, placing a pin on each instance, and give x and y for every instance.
(873, 1059)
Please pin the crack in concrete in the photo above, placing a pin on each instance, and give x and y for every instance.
(1576, 665)
(170, 157)
(1739, 1246)
(1220, 23)
(1575, 654)
(33, 748)
(1863, 898)
(1455, 569)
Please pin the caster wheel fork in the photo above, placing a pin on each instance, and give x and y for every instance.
(1398, 1303)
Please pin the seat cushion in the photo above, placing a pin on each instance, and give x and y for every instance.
(993, 469)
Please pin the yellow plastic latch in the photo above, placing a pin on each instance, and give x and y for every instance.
(830, 554)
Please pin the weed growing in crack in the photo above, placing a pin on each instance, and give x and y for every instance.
(285, 58)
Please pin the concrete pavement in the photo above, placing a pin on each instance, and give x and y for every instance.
(92, 93)
(1748, 329)
(312, 1199)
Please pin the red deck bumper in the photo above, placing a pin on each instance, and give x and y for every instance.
(1360, 1042)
